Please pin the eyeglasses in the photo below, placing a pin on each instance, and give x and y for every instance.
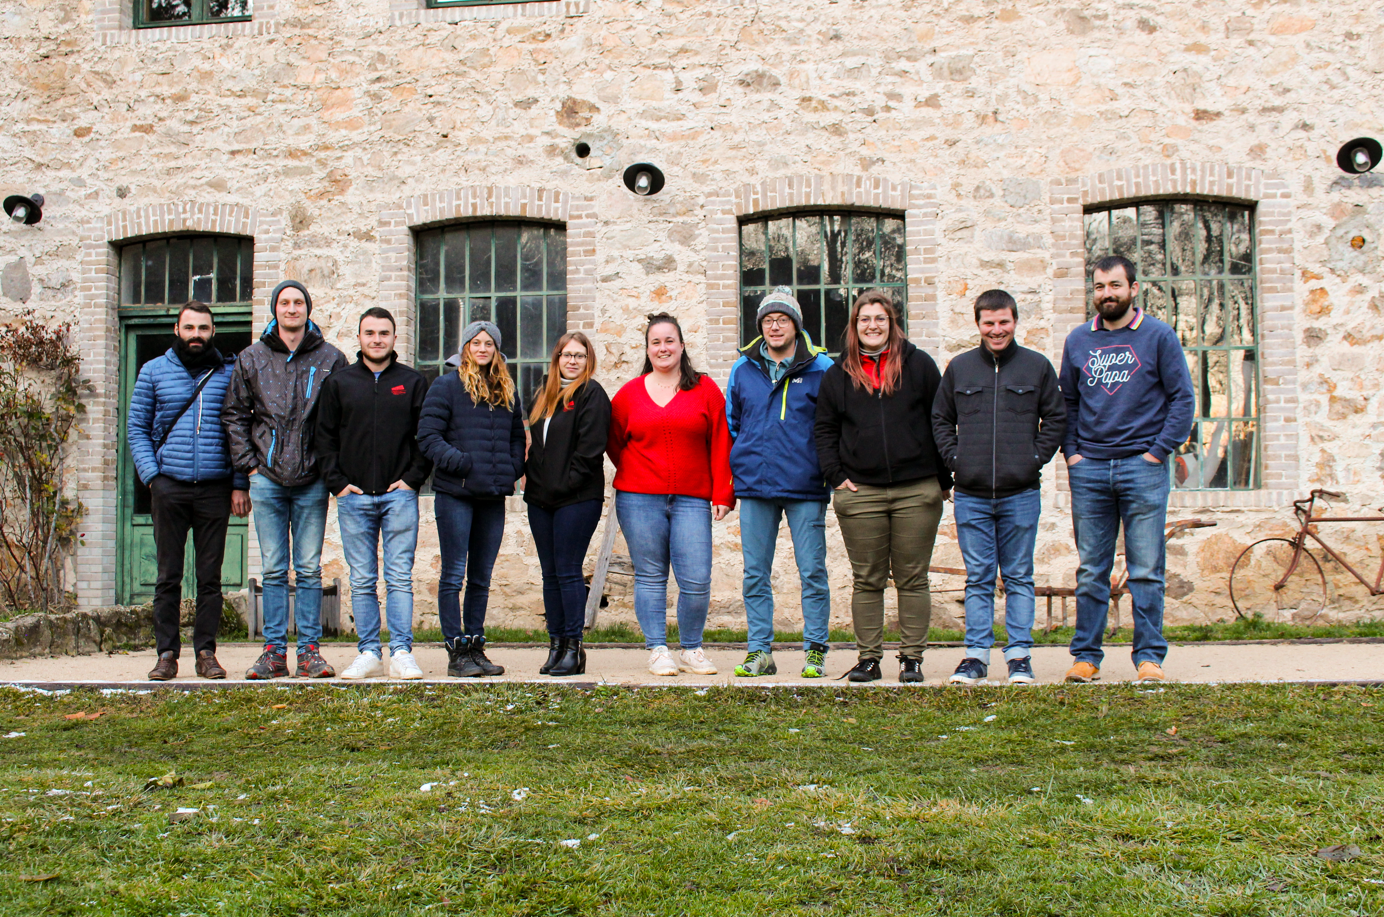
(872, 320)
(776, 321)
(572, 356)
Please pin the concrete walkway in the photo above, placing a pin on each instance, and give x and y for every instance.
(1194, 663)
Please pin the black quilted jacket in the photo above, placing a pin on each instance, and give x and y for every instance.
(476, 450)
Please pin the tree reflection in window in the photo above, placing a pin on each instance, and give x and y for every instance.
(1196, 272)
(190, 12)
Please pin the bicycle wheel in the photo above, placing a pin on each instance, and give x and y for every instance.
(1255, 589)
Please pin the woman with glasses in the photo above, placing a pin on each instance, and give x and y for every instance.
(874, 443)
(565, 488)
(671, 448)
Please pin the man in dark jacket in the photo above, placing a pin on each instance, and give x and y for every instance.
(771, 407)
(179, 451)
(998, 419)
(371, 409)
(270, 418)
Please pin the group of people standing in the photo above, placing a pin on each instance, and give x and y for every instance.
(880, 433)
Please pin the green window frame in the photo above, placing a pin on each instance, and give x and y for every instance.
(156, 14)
(1197, 272)
(159, 273)
(827, 258)
(509, 272)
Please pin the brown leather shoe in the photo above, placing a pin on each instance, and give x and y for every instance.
(208, 667)
(166, 668)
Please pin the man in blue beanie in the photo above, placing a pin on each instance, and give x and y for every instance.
(270, 417)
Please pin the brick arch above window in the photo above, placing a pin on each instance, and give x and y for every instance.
(398, 255)
(1271, 197)
(98, 331)
(917, 201)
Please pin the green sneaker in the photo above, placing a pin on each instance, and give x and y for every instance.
(816, 664)
(760, 662)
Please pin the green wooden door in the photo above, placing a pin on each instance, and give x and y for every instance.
(144, 337)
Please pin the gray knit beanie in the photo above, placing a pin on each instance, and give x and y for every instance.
(780, 299)
(476, 328)
(288, 284)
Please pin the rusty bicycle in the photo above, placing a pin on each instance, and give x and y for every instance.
(1280, 579)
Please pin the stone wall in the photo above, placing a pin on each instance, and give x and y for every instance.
(330, 130)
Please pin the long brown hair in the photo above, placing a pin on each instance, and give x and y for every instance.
(486, 385)
(690, 377)
(554, 391)
(892, 371)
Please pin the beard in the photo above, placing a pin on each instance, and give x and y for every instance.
(196, 352)
(1112, 308)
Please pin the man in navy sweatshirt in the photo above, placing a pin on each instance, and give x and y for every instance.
(1129, 407)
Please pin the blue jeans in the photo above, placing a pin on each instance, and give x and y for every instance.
(561, 537)
(298, 514)
(364, 519)
(759, 528)
(997, 537)
(468, 538)
(1108, 493)
(664, 530)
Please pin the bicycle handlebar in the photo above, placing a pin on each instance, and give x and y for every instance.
(1328, 493)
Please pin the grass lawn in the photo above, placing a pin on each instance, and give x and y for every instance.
(516, 799)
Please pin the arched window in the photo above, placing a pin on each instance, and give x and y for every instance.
(511, 273)
(1197, 273)
(828, 259)
(169, 272)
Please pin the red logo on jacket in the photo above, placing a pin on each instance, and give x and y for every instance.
(398, 390)
(569, 405)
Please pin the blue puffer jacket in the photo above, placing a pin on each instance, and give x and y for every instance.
(774, 456)
(476, 450)
(196, 449)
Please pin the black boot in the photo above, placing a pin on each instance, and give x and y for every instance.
(910, 669)
(573, 661)
(555, 648)
(483, 665)
(459, 661)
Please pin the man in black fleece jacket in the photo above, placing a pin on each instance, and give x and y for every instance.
(998, 419)
(367, 448)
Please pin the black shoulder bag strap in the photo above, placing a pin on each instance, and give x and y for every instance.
(201, 383)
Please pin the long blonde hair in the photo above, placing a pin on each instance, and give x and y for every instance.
(554, 392)
(489, 385)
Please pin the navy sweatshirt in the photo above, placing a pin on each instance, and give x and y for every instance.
(1128, 391)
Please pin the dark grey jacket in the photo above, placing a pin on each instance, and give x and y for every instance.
(271, 405)
(998, 419)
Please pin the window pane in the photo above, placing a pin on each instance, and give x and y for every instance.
(1211, 227)
(1182, 239)
(1182, 311)
(893, 264)
(507, 320)
(531, 328)
(780, 252)
(1213, 447)
(429, 263)
(811, 302)
(555, 323)
(1239, 311)
(451, 327)
(1212, 295)
(531, 258)
(454, 262)
(167, 10)
(227, 271)
(220, 9)
(429, 331)
(478, 310)
(1152, 250)
(752, 272)
(1124, 234)
(1244, 369)
(178, 256)
(132, 274)
(835, 241)
(506, 259)
(1244, 454)
(478, 279)
(1097, 226)
(247, 270)
(807, 238)
(838, 312)
(1240, 252)
(557, 258)
(155, 272)
(530, 378)
(863, 265)
(1155, 299)
(1215, 384)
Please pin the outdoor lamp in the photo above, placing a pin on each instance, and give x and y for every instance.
(1359, 155)
(21, 209)
(644, 179)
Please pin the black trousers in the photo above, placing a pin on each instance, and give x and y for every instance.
(206, 509)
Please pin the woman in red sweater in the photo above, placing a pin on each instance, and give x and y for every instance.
(671, 448)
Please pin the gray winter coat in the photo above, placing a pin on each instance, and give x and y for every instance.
(271, 405)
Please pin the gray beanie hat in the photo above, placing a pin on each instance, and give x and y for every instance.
(476, 328)
(780, 299)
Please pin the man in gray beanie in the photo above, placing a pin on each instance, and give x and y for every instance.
(270, 415)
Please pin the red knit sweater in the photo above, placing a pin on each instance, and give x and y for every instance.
(681, 448)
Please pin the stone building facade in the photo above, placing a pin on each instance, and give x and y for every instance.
(332, 134)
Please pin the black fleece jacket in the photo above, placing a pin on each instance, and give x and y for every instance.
(367, 428)
(998, 419)
(566, 464)
(873, 438)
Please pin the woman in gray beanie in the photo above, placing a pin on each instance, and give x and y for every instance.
(472, 429)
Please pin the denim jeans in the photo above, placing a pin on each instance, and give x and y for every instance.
(759, 528)
(1106, 494)
(468, 537)
(664, 530)
(297, 514)
(364, 520)
(997, 537)
(561, 537)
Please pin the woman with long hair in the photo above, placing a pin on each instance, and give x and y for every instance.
(564, 489)
(473, 431)
(671, 448)
(874, 443)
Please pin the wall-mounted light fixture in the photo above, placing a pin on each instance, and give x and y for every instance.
(1359, 155)
(644, 179)
(27, 210)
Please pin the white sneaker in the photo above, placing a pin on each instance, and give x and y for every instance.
(661, 662)
(696, 662)
(403, 665)
(366, 665)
